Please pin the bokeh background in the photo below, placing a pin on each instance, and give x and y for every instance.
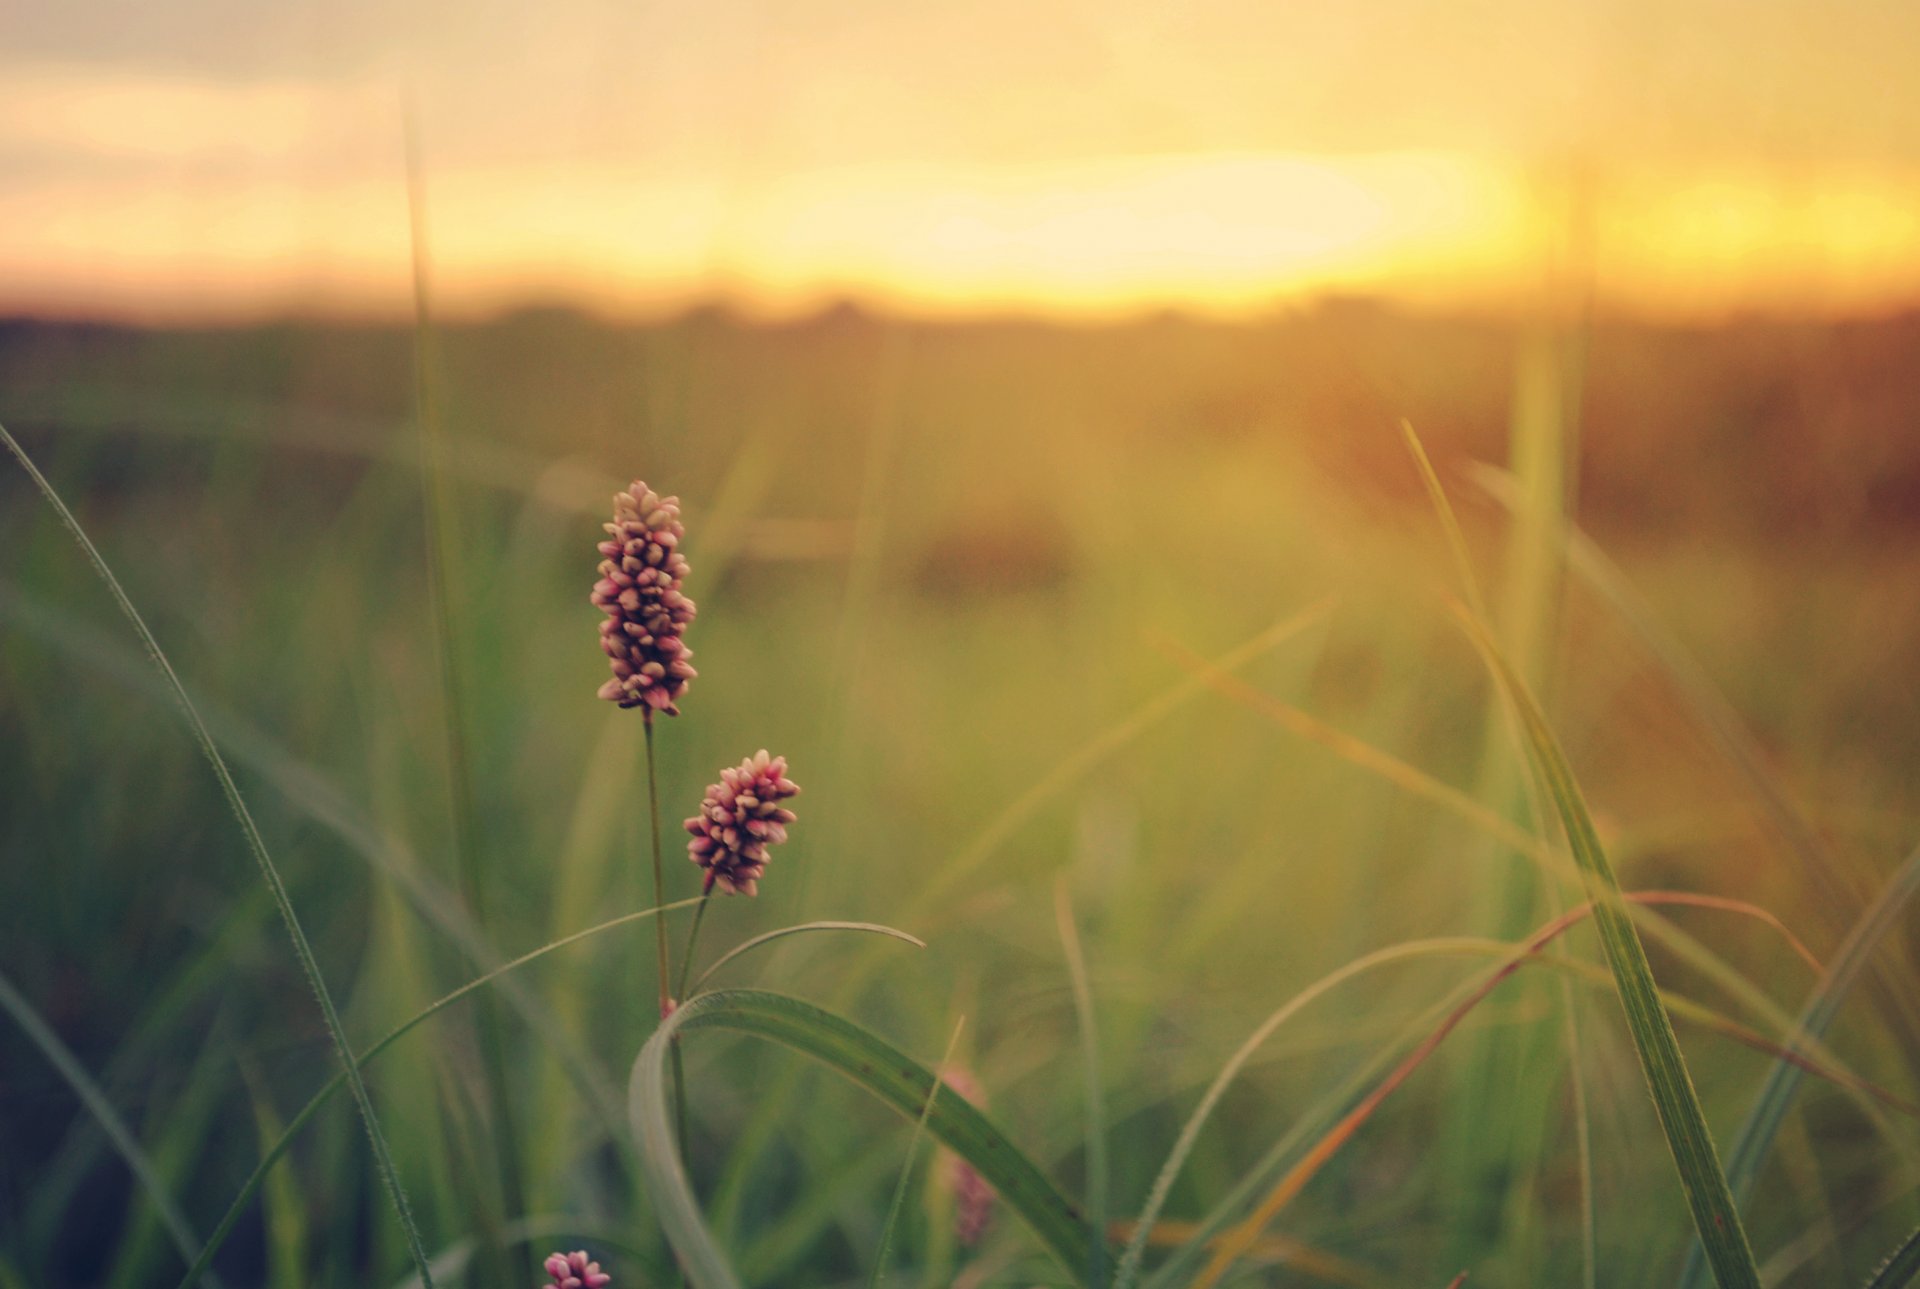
(1008, 360)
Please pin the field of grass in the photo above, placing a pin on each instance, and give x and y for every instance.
(1125, 668)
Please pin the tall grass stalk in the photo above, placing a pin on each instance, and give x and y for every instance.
(236, 804)
(1682, 1121)
(1541, 427)
(1094, 1097)
(441, 542)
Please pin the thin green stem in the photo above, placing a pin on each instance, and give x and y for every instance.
(686, 963)
(659, 871)
(660, 938)
(468, 872)
(680, 994)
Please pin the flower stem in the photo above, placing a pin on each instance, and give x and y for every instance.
(659, 873)
(660, 931)
(680, 993)
(686, 963)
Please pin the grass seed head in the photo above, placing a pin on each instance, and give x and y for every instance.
(639, 591)
(573, 1271)
(740, 818)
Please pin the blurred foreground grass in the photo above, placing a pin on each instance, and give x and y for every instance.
(935, 566)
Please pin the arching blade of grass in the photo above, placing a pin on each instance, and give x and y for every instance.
(320, 1098)
(1096, 1111)
(1757, 1131)
(868, 1061)
(871, 928)
(303, 951)
(1902, 1266)
(1715, 1216)
(138, 1163)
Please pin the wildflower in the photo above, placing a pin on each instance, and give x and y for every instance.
(573, 1271)
(972, 1196)
(740, 817)
(639, 590)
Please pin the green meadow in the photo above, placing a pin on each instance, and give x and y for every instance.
(1140, 672)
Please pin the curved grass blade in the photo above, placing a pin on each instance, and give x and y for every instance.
(872, 928)
(1096, 1110)
(1769, 1110)
(1682, 1121)
(320, 1098)
(1902, 1266)
(138, 1162)
(303, 951)
(868, 1061)
(884, 1244)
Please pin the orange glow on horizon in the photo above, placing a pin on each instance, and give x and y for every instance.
(260, 201)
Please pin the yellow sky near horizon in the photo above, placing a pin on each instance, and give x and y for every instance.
(1065, 162)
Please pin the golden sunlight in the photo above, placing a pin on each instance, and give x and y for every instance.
(181, 198)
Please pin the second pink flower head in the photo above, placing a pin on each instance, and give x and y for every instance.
(740, 817)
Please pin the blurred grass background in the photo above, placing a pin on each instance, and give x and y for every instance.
(934, 563)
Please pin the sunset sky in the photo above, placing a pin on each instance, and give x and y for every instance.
(228, 158)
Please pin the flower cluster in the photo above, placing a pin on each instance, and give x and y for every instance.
(739, 818)
(573, 1271)
(972, 1196)
(639, 590)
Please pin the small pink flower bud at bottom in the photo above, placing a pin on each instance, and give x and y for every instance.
(574, 1271)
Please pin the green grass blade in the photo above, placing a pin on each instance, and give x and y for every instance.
(1769, 1110)
(138, 1163)
(884, 1244)
(303, 951)
(442, 541)
(868, 1061)
(872, 928)
(1096, 1110)
(1902, 1266)
(1715, 1216)
(320, 1098)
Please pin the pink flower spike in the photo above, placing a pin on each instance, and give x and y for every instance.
(740, 817)
(639, 591)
